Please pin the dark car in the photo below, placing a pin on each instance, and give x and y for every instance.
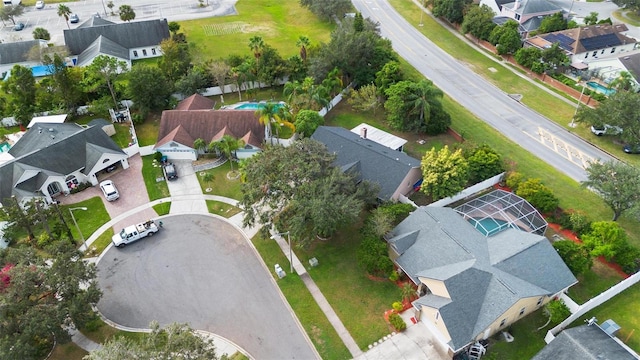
(170, 171)
(632, 149)
(19, 26)
(74, 19)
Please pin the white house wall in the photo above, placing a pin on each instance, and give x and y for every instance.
(589, 56)
(145, 52)
(176, 151)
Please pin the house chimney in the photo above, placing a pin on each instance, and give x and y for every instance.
(363, 133)
(516, 5)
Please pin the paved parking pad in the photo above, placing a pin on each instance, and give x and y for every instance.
(201, 270)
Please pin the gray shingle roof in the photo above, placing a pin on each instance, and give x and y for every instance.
(526, 7)
(378, 163)
(77, 150)
(42, 135)
(485, 276)
(632, 63)
(102, 46)
(16, 52)
(583, 342)
(128, 35)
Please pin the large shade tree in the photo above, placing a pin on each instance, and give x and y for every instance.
(296, 188)
(415, 106)
(41, 299)
(617, 183)
(148, 88)
(478, 21)
(445, 173)
(11, 12)
(621, 109)
(21, 85)
(104, 71)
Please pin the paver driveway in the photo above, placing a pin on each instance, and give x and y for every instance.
(201, 270)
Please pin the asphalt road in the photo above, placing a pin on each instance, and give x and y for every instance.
(202, 271)
(545, 139)
(145, 10)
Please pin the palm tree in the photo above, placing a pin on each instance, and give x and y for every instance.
(256, 44)
(64, 11)
(199, 145)
(228, 146)
(624, 81)
(303, 42)
(333, 82)
(268, 115)
(421, 100)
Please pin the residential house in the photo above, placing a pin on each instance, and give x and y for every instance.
(51, 159)
(473, 285)
(124, 41)
(195, 118)
(397, 173)
(529, 13)
(586, 44)
(17, 53)
(591, 341)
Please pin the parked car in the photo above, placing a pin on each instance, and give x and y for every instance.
(605, 129)
(632, 149)
(109, 190)
(39, 4)
(170, 171)
(74, 19)
(19, 26)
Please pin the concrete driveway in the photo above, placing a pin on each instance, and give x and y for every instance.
(186, 184)
(201, 270)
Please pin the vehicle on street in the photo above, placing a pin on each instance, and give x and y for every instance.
(109, 190)
(19, 26)
(39, 4)
(12, 2)
(605, 129)
(74, 19)
(632, 149)
(134, 233)
(169, 171)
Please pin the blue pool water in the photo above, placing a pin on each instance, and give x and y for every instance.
(600, 88)
(489, 226)
(4, 147)
(254, 106)
(38, 71)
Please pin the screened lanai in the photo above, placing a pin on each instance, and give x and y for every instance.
(500, 210)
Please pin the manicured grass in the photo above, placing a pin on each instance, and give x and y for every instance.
(528, 340)
(8, 130)
(147, 132)
(68, 351)
(593, 282)
(348, 289)
(220, 184)
(627, 17)
(102, 332)
(322, 334)
(278, 22)
(623, 310)
(101, 243)
(88, 220)
(122, 136)
(222, 209)
(162, 209)
(151, 171)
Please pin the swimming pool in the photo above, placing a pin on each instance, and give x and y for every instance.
(37, 71)
(489, 226)
(4, 147)
(600, 88)
(253, 105)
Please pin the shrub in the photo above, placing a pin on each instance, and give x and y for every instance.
(574, 255)
(157, 156)
(538, 195)
(137, 118)
(557, 310)
(397, 322)
(628, 257)
(372, 255)
(606, 238)
(580, 223)
(513, 180)
(484, 162)
(397, 211)
(397, 306)
(394, 276)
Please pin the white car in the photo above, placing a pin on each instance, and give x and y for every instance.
(109, 190)
(39, 4)
(605, 129)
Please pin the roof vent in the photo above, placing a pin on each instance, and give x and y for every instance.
(363, 133)
(50, 129)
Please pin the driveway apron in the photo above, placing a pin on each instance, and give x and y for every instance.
(186, 184)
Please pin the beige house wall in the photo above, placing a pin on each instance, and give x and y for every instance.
(433, 316)
(406, 186)
(436, 287)
(513, 314)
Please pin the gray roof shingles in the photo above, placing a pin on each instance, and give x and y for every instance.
(128, 35)
(102, 45)
(378, 163)
(484, 276)
(16, 52)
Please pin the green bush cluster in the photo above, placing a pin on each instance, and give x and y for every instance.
(397, 306)
(576, 221)
(572, 83)
(397, 322)
(532, 190)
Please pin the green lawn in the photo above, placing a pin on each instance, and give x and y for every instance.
(147, 132)
(88, 220)
(100, 243)
(593, 282)
(278, 22)
(151, 171)
(222, 209)
(322, 334)
(221, 184)
(528, 340)
(68, 351)
(162, 209)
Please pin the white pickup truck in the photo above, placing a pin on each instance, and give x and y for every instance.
(135, 232)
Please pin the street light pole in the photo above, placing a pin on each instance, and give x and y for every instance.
(421, 14)
(290, 251)
(76, 224)
(573, 120)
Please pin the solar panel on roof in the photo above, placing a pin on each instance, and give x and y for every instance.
(600, 42)
(564, 41)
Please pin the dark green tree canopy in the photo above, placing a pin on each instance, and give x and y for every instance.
(11, 12)
(574, 255)
(632, 5)
(307, 121)
(617, 183)
(415, 106)
(479, 21)
(621, 109)
(148, 88)
(506, 37)
(326, 9)
(551, 23)
(126, 13)
(22, 87)
(452, 10)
